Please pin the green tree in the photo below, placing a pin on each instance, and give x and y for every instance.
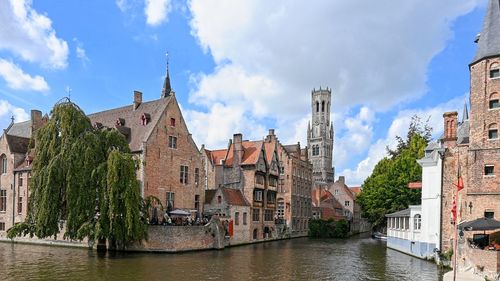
(386, 189)
(83, 179)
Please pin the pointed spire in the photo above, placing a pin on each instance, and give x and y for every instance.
(465, 115)
(489, 38)
(167, 88)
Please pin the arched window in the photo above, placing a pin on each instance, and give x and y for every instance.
(417, 222)
(317, 106)
(3, 162)
(493, 131)
(323, 106)
(494, 101)
(494, 70)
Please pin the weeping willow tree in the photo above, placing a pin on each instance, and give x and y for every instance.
(83, 180)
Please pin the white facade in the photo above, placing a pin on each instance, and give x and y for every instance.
(431, 195)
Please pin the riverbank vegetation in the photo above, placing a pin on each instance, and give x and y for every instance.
(83, 182)
(328, 228)
(386, 189)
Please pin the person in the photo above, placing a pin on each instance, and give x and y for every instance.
(166, 218)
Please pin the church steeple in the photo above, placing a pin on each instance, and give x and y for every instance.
(465, 115)
(489, 39)
(167, 88)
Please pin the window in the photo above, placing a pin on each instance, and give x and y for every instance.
(196, 176)
(257, 195)
(256, 215)
(417, 222)
(492, 132)
(273, 182)
(323, 106)
(271, 196)
(494, 98)
(315, 150)
(20, 180)
(184, 174)
(172, 122)
(259, 179)
(268, 215)
(172, 142)
(3, 200)
(2, 226)
(219, 199)
(3, 160)
(346, 203)
(19, 205)
(317, 106)
(495, 73)
(244, 218)
(336, 192)
(407, 222)
(489, 214)
(236, 218)
(489, 170)
(170, 200)
(197, 202)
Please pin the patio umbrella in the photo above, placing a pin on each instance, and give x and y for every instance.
(480, 224)
(179, 212)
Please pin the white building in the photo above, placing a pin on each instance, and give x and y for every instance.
(416, 230)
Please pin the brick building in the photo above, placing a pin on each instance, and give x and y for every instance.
(294, 204)
(170, 163)
(473, 144)
(15, 170)
(253, 168)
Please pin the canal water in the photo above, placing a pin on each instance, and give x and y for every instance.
(296, 259)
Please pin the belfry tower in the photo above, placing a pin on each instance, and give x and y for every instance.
(320, 136)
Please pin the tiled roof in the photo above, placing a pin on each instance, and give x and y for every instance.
(415, 185)
(21, 129)
(403, 213)
(291, 148)
(132, 120)
(234, 197)
(269, 147)
(215, 156)
(17, 144)
(356, 190)
(251, 152)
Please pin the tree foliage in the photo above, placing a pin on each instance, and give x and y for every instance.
(83, 179)
(328, 228)
(386, 189)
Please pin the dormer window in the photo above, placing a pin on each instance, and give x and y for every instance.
(29, 160)
(145, 119)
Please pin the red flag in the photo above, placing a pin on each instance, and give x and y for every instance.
(460, 184)
(454, 210)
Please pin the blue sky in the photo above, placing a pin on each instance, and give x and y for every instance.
(247, 66)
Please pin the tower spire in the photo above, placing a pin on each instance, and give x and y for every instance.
(465, 115)
(167, 88)
(489, 39)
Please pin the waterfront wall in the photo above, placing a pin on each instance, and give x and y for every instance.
(415, 248)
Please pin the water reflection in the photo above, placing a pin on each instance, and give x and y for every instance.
(298, 259)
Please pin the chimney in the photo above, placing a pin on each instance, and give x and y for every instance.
(342, 179)
(450, 129)
(137, 99)
(36, 120)
(237, 149)
(271, 132)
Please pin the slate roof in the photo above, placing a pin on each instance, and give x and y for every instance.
(403, 213)
(463, 132)
(21, 129)
(489, 39)
(17, 144)
(138, 133)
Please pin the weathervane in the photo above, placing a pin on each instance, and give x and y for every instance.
(68, 91)
(167, 59)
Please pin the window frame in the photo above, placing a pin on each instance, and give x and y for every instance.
(172, 142)
(256, 215)
(3, 164)
(236, 218)
(3, 200)
(172, 122)
(184, 174)
(492, 174)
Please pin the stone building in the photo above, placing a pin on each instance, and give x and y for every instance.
(473, 145)
(294, 204)
(320, 136)
(15, 170)
(170, 163)
(253, 168)
(344, 196)
(325, 206)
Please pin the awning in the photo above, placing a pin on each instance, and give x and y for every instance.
(480, 224)
(179, 212)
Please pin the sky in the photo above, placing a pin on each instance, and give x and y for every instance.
(248, 66)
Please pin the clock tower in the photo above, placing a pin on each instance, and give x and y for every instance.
(320, 136)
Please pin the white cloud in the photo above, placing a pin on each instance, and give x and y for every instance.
(80, 52)
(399, 127)
(30, 35)
(270, 54)
(123, 5)
(157, 11)
(18, 80)
(7, 110)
